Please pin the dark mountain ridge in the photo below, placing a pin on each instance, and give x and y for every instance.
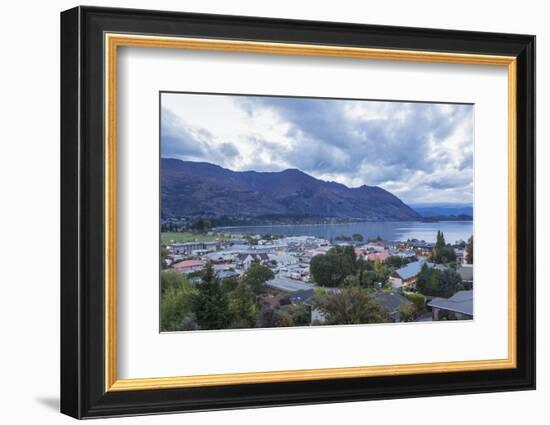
(201, 189)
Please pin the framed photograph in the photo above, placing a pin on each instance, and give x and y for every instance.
(261, 212)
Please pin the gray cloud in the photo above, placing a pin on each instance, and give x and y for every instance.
(420, 151)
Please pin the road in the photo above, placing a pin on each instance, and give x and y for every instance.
(290, 285)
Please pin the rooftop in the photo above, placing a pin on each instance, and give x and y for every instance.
(392, 301)
(188, 263)
(461, 302)
(410, 270)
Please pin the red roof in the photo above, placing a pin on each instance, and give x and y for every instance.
(187, 264)
(382, 255)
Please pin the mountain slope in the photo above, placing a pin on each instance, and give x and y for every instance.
(443, 210)
(198, 188)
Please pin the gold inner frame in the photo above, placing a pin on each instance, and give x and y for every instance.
(113, 41)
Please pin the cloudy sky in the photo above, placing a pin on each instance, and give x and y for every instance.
(421, 152)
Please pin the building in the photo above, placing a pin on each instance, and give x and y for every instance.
(406, 276)
(188, 266)
(245, 260)
(379, 255)
(376, 246)
(225, 257)
(466, 272)
(283, 259)
(187, 248)
(459, 306)
(392, 303)
(225, 274)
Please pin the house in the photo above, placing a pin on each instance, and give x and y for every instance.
(283, 259)
(460, 255)
(392, 303)
(305, 297)
(245, 260)
(379, 256)
(406, 276)
(220, 257)
(459, 306)
(360, 252)
(188, 266)
(466, 272)
(437, 266)
(407, 253)
(376, 246)
(187, 248)
(224, 274)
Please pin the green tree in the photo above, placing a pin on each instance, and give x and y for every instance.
(201, 225)
(229, 284)
(370, 278)
(177, 295)
(350, 280)
(470, 250)
(267, 318)
(407, 313)
(358, 237)
(395, 261)
(418, 299)
(438, 283)
(449, 283)
(242, 305)
(171, 279)
(163, 254)
(283, 319)
(211, 304)
(255, 277)
(299, 313)
(442, 252)
(322, 270)
(333, 267)
(351, 305)
(440, 240)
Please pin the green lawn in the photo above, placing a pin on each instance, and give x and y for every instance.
(182, 237)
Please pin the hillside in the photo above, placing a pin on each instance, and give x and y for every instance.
(203, 189)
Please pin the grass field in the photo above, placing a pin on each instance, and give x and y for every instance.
(182, 237)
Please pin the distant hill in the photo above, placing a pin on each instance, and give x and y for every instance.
(202, 189)
(441, 211)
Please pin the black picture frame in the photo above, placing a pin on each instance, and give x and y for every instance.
(83, 392)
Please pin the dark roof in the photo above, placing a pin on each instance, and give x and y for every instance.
(302, 296)
(461, 302)
(391, 301)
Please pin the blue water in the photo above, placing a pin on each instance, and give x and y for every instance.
(390, 231)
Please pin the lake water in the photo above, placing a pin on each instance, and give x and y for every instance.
(390, 231)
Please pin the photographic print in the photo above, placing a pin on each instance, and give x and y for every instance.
(293, 211)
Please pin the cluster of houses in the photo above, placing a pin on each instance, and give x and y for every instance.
(289, 259)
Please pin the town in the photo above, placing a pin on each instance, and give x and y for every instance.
(229, 281)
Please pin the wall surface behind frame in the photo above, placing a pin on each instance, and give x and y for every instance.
(29, 225)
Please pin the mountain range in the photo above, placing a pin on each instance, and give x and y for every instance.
(443, 210)
(191, 189)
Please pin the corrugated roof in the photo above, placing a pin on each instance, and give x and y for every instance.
(461, 302)
(410, 270)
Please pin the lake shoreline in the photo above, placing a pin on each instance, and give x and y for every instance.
(386, 230)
